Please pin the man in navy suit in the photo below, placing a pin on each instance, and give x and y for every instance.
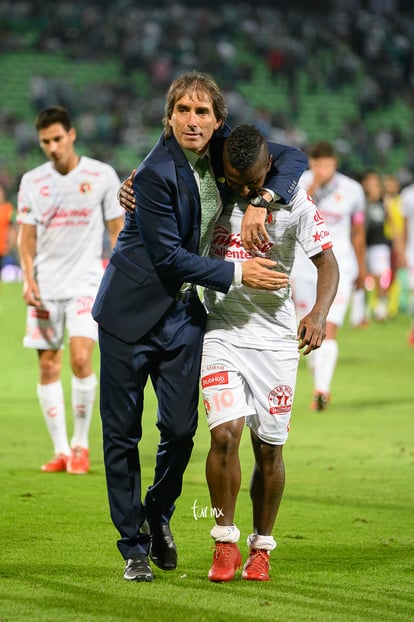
(151, 321)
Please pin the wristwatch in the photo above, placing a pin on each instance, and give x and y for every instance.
(259, 201)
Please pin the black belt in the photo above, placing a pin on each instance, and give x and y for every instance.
(186, 295)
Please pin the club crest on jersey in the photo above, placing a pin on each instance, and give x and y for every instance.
(280, 400)
(85, 187)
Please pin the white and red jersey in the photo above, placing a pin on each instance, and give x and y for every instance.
(250, 317)
(407, 210)
(69, 212)
(340, 203)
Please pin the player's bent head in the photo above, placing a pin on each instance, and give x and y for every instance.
(246, 159)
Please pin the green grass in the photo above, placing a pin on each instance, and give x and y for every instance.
(345, 528)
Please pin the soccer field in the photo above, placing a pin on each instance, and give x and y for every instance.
(345, 528)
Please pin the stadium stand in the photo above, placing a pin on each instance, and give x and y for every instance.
(344, 74)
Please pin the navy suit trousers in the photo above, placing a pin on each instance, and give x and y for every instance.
(170, 355)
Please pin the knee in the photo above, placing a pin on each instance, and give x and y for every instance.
(50, 369)
(80, 362)
(225, 439)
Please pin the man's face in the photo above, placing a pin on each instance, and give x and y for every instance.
(57, 144)
(323, 169)
(193, 121)
(247, 182)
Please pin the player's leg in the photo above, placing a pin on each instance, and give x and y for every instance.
(266, 491)
(325, 358)
(224, 394)
(324, 363)
(52, 404)
(267, 484)
(44, 333)
(223, 469)
(379, 266)
(272, 388)
(82, 337)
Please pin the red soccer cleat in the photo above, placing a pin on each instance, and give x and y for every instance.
(78, 463)
(257, 566)
(226, 560)
(57, 464)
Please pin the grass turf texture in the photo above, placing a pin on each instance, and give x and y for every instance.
(344, 531)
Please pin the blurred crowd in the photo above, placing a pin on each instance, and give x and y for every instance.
(330, 44)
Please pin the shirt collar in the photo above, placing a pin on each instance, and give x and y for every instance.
(193, 157)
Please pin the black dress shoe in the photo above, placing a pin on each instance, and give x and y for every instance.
(138, 568)
(163, 551)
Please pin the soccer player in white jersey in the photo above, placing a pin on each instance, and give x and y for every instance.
(63, 208)
(340, 202)
(251, 352)
(407, 209)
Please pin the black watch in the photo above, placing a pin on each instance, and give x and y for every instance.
(259, 201)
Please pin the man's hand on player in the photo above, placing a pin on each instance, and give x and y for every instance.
(259, 273)
(126, 196)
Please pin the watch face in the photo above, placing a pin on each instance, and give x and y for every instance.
(257, 200)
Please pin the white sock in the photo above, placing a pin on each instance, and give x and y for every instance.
(310, 362)
(52, 404)
(83, 399)
(222, 533)
(265, 543)
(325, 362)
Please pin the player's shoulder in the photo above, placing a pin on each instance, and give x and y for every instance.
(349, 182)
(37, 173)
(351, 188)
(90, 167)
(92, 164)
(301, 200)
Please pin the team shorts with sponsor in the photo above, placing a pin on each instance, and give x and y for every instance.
(45, 327)
(304, 293)
(258, 385)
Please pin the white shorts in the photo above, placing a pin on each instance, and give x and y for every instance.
(304, 293)
(45, 327)
(256, 384)
(378, 259)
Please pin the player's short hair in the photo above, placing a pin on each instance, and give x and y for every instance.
(188, 83)
(244, 146)
(51, 115)
(321, 149)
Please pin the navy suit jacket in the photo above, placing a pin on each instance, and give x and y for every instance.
(157, 250)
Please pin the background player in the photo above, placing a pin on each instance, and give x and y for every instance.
(63, 206)
(340, 204)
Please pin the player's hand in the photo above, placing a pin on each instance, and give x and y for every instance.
(311, 332)
(259, 273)
(31, 294)
(253, 229)
(126, 196)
